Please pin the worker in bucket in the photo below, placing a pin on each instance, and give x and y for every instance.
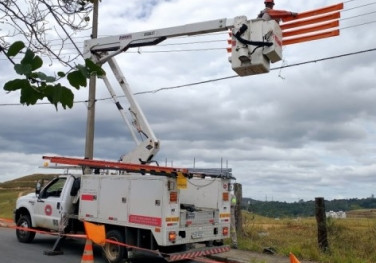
(234, 238)
(270, 14)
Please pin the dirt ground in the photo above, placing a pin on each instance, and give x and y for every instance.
(242, 256)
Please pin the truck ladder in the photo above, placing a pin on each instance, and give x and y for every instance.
(138, 168)
(110, 165)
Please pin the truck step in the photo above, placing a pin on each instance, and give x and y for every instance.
(199, 252)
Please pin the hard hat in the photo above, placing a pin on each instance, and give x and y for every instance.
(269, 2)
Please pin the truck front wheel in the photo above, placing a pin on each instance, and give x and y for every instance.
(115, 253)
(24, 236)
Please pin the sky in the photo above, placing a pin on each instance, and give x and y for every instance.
(296, 133)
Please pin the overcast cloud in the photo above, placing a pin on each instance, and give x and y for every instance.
(296, 133)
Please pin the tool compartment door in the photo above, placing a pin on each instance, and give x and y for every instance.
(203, 193)
(89, 197)
(147, 199)
(114, 198)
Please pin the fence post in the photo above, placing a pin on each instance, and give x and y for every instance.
(238, 214)
(321, 224)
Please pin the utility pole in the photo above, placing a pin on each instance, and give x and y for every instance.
(90, 122)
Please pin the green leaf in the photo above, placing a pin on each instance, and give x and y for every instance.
(28, 58)
(77, 79)
(61, 74)
(16, 84)
(44, 77)
(23, 69)
(30, 95)
(15, 48)
(94, 68)
(67, 98)
(53, 93)
(83, 70)
(36, 63)
(59, 94)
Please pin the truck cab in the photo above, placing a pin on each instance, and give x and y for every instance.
(47, 208)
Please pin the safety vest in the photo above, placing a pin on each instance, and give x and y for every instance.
(233, 200)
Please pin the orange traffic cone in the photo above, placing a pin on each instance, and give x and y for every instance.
(87, 256)
(293, 259)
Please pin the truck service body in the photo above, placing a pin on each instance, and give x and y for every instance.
(154, 203)
(147, 211)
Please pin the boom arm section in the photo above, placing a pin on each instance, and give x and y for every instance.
(148, 147)
(253, 47)
(94, 48)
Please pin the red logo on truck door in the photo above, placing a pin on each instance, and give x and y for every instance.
(48, 210)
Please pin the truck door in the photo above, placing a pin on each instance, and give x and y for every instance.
(48, 207)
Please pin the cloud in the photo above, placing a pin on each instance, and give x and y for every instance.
(295, 133)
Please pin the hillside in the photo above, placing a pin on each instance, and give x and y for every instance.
(26, 182)
(354, 207)
(10, 190)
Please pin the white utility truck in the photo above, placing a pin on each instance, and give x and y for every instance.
(176, 213)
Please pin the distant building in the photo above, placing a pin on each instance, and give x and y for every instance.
(339, 214)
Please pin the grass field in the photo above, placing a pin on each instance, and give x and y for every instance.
(9, 191)
(351, 240)
(8, 202)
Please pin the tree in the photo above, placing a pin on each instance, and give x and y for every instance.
(45, 28)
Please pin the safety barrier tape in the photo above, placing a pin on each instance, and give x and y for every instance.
(206, 260)
(8, 223)
(4, 222)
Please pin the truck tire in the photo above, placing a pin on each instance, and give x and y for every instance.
(22, 235)
(112, 252)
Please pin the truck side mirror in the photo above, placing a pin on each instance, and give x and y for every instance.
(75, 187)
(38, 187)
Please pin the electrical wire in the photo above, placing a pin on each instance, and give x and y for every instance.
(356, 7)
(216, 79)
(272, 69)
(360, 15)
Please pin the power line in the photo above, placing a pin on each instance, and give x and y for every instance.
(218, 79)
(356, 7)
(362, 24)
(360, 15)
(278, 68)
